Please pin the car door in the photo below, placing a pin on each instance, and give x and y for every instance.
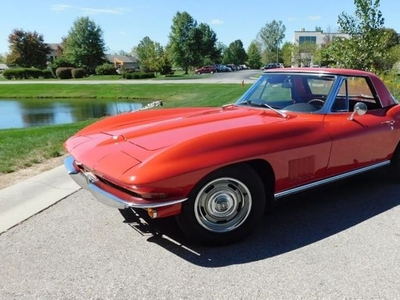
(358, 140)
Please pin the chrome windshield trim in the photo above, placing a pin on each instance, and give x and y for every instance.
(329, 180)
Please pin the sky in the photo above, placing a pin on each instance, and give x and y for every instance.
(126, 22)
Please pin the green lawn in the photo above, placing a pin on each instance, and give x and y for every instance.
(171, 94)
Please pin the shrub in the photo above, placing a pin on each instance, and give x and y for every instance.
(166, 70)
(138, 75)
(64, 72)
(61, 62)
(106, 69)
(47, 74)
(33, 73)
(78, 73)
(16, 73)
(26, 73)
(8, 74)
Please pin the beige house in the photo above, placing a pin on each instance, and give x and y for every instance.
(123, 62)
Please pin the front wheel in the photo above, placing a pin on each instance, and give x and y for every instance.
(224, 207)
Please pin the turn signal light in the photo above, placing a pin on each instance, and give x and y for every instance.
(152, 213)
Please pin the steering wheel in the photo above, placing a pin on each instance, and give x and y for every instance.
(316, 102)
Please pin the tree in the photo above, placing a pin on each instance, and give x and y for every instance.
(152, 56)
(191, 44)
(271, 36)
(367, 47)
(254, 55)
(392, 40)
(235, 53)
(287, 53)
(304, 54)
(27, 49)
(182, 41)
(318, 28)
(2, 58)
(84, 45)
(208, 45)
(392, 37)
(394, 59)
(147, 53)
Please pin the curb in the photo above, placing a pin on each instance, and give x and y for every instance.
(23, 200)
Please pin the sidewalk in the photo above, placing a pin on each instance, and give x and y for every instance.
(27, 198)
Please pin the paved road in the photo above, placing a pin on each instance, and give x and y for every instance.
(229, 77)
(337, 242)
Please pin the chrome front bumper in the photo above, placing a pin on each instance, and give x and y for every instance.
(88, 182)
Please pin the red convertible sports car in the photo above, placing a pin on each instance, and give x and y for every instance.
(217, 169)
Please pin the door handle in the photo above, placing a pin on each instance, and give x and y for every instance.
(390, 123)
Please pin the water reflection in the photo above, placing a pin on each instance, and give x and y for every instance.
(39, 112)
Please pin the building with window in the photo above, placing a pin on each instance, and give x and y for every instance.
(308, 42)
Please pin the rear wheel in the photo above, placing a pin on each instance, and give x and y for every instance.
(224, 207)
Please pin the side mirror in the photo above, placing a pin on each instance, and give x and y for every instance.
(359, 109)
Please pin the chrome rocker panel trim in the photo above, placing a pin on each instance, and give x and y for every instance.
(330, 179)
(88, 183)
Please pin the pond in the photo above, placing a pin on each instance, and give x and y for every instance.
(25, 113)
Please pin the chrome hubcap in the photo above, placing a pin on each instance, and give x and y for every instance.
(223, 205)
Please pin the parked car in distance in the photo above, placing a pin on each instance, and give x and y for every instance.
(205, 69)
(232, 66)
(217, 169)
(272, 66)
(222, 68)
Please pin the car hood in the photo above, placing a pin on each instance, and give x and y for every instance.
(115, 144)
(163, 128)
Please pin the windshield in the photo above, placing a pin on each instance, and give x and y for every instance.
(289, 91)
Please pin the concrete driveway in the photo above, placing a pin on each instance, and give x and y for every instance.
(337, 242)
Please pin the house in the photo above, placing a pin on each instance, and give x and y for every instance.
(3, 67)
(123, 62)
(55, 51)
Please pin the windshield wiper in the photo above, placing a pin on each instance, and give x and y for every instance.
(264, 104)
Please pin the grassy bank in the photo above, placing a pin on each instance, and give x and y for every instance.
(171, 94)
(21, 148)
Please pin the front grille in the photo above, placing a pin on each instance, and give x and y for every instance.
(107, 182)
(117, 187)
